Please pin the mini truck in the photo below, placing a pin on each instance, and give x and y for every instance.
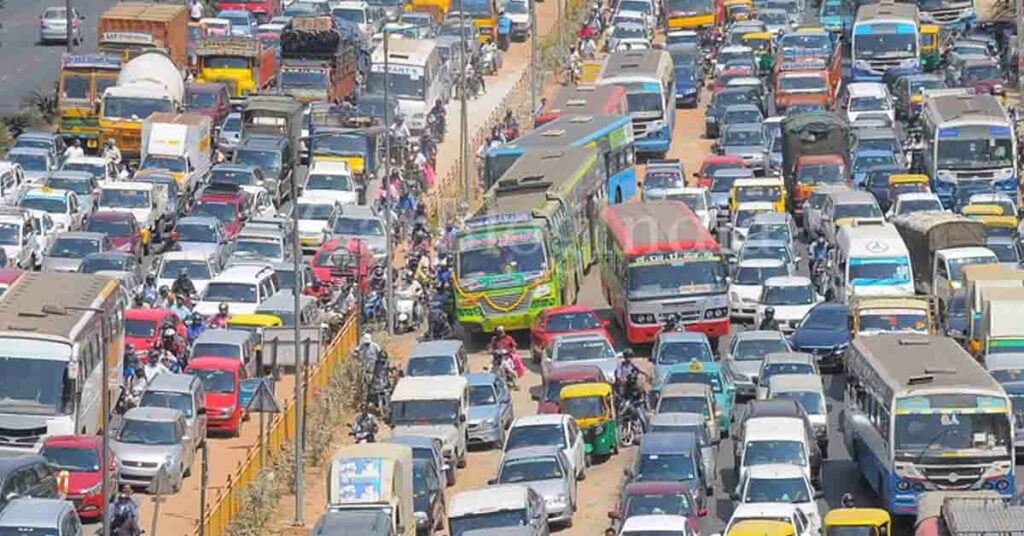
(243, 64)
(179, 144)
(935, 239)
(373, 477)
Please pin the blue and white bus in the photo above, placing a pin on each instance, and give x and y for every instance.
(922, 415)
(885, 36)
(969, 143)
(650, 82)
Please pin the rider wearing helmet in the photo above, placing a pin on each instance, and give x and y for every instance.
(219, 320)
(195, 327)
(502, 341)
(183, 284)
(769, 322)
(149, 290)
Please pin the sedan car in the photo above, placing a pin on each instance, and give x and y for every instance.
(914, 202)
(548, 472)
(151, 438)
(121, 229)
(565, 320)
(745, 353)
(720, 100)
(747, 281)
(490, 409)
(111, 261)
(790, 296)
(824, 331)
(70, 247)
(745, 141)
(36, 163)
(557, 430)
(582, 349)
(781, 483)
(53, 26)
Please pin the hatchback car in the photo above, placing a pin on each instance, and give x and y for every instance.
(745, 353)
(548, 472)
(53, 26)
(582, 349)
(569, 319)
(121, 228)
(30, 516)
(745, 141)
(791, 297)
(151, 438)
(656, 498)
(550, 430)
(784, 484)
(671, 457)
(70, 248)
(80, 457)
(490, 409)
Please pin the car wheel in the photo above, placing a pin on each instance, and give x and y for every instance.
(451, 476)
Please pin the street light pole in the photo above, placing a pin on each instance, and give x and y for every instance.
(389, 288)
(463, 112)
(105, 452)
(300, 437)
(533, 53)
(68, 19)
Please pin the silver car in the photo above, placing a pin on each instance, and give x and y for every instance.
(83, 183)
(36, 163)
(148, 439)
(547, 471)
(745, 354)
(70, 247)
(693, 423)
(582, 349)
(202, 234)
(745, 141)
(490, 409)
(53, 26)
(359, 221)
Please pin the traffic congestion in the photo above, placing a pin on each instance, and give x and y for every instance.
(744, 268)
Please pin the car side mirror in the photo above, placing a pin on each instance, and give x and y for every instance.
(492, 481)
(819, 494)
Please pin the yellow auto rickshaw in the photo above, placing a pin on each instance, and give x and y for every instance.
(255, 324)
(593, 407)
(999, 225)
(761, 527)
(738, 10)
(764, 50)
(766, 189)
(929, 45)
(860, 521)
(979, 210)
(905, 183)
(589, 70)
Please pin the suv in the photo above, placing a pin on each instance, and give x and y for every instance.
(273, 155)
(19, 239)
(243, 288)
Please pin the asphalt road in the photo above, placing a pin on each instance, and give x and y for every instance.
(26, 65)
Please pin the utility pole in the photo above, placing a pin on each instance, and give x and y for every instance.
(69, 20)
(105, 452)
(1018, 13)
(467, 187)
(533, 52)
(558, 27)
(389, 286)
(300, 434)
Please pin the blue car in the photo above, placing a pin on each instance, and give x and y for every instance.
(687, 87)
(876, 182)
(677, 347)
(824, 332)
(955, 320)
(863, 160)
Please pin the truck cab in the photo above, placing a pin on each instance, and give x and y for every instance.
(948, 265)
(243, 64)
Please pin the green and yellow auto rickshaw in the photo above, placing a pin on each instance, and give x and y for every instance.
(929, 45)
(764, 50)
(593, 407)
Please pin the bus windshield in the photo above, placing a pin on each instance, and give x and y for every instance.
(643, 97)
(685, 6)
(405, 83)
(885, 40)
(41, 385)
(974, 147)
(949, 429)
(501, 253)
(649, 278)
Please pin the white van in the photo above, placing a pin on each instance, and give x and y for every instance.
(769, 440)
(433, 406)
(415, 76)
(243, 288)
(871, 259)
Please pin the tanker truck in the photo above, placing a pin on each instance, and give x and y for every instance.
(149, 83)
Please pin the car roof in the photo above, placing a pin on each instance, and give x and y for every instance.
(246, 273)
(560, 372)
(540, 420)
(531, 452)
(488, 499)
(414, 441)
(795, 382)
(744, 127)
(34, 512)
(775, 470)
(429, 387)
(82, 235)
(789, 357)
(678, 418)
(481, 378)
(180, 383)
(759, 334)
(682, 336)
(761, 263)
(152, 414)
(573, 337)
(774, 428)
(111, 215)
(866, 89)
(685, 389)
(788, 281)
(436, 348)
(655, 488)
(667, 443)
(214, 363)
(199, 220)
(223, 336)
(653, 523)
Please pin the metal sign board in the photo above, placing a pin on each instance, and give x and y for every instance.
(262, 399)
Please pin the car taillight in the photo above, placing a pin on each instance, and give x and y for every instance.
(42, 23)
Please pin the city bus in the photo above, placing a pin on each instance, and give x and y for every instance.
(658, 260)
(529, 245)
(650, 82)
(968, 139)
(885, 36)
(56, 330)
(583, 100)
(690, 14)
(922, 415)
(612, 135)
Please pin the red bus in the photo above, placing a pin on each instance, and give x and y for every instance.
(659, 260)
(584, 100)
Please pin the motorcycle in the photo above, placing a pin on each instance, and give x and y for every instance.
(438, 326)
(374, 309)
(408, 310)
(362, 433)
(490, 60)
(435, 123)
(632, 411)
(503, 366)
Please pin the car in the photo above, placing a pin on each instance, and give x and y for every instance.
(331, 182)
(690, 397)
(581, 349)
(248, 178)
(230, 134)
(742, 217)
(711, 374)
(361, 223)
(183, 392)
(698, 199)
(547, 471)
(428, 496)
(790, 363)
(791, 296)
(671, 457)
(745, 141)
(446, 357)
(429, 449)
(61, 205)
(865, 159)
(656, 498)
(37, 164)
(773, 226)
(70, 247)
(203, 235)
(508, 510)
(723, 98)
(178, 202)
(228, 208)
(111, 261)
(656, 524)
(746, 283)
(103, 169)
(200, 266)
(210, 99)
(21, 240)
(1006, 248)
(696, 424)
(746, 351)
(914, 202)
(675, 347)
(761, 248)
(907, 92)
(741, 114)
(731, 53)
(27, 515)
(273, 155)
(243, 22)
(150, 439)
(222, 379)
(788, 513)
(714, 163)
(53, 26)
(813, 223)
(689, 85)
(563, 320)
(121, 228)
(557, 430)
(876, 182)
(271, 245)
(862, 97)
(142, 328)
(808, 391)
(490, 409)
(623, 35)
(39, 139)
(553, 381)
(80, 456)
(824, 332)
(978, 73)
(243, 288)
(663, 174)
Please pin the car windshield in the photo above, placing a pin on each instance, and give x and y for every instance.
(584, 407)
(562, 322)
(755, 275)
(157, 399)
(712, 380)
(684, 404)
(868, 103)
(268, 161)
(74, 459)
(771, 252)
(230, 292)
(810, 400)
(216, 349)
(821, 174)
(770, 231)
(141, 432)
(109, 227)
(746, 194)
(530, 470)
(335, 183)
(788, 295)
(10, 234)
(980, 73)
(742, 116)
(30, 162)
(241, 177)
(672, 352)
(565, 351)
(919, 205)
(677, 504)
(314, 211)
(736, 137)
(535, 436)
(825, 318)
(491, 520)
(756, 349)
(482, 395)
(196, 269)
(441, 365)
(270, 249)
(856, 210)
(663, 179)
(91, 265)
(867, 161)
(233, 123)
(357, 227)
(628, 32)
(665, 468)
(722, 183)
(118, 198)
(74, 248)
(777, 490)
(79, 186)
(192, 232)
(52, 205)
(414, 412)
(224, 212)
(136, 327)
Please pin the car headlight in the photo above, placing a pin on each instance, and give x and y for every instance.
(542, 291)
(421, 517)
(402, 317)
(228, 411)
(558, 501)
(690, 90)
(94, 489)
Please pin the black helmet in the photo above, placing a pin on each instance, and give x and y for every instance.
(196, 319)
(182, 272)
(150, 278)
(627, 353)
(164, 291)
(129, 347)
(769, 312)
(223, 308)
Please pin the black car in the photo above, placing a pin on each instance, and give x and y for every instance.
(724, 98)
(427, 497)
(274, 156)
(908, 86)
(876, 181)
(26, 476)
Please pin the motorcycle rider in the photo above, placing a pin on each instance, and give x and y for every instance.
(626, 368)
(365, 428)
(438, 326)
(219, 320)
(377, 280)
(769, 322)
(124, 513)
(183, 285)
(511, 125)
(111, 153)
(317, 290)
(154, 365)
(819, 252)
(195, 327)
(149, 291)
(172, 342)
(166, 300)
(368, 351)
(504, 341)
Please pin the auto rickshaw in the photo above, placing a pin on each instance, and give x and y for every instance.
(593, 407)
(978, 211)
(256, 324)
(903, 183)
(860, 521)
(589, 70)
(764, 50)
(767, 189)
(929, 44)
(761, 527)
(999, 225)
(738, 10)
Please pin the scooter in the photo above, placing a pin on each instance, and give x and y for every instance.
(362, 434)
(408, 311)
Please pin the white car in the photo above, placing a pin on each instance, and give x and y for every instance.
(742, 218)
(813, 224)
(661, 524)
(772, 512)
(781, 484)
(243, 288)
(201, 268)
(914, 202)
(331, 181)
(746, 283)
(314, 214)
(549, 430)
(790, 296)
(697, 198)
(868, 98)
(730, 53)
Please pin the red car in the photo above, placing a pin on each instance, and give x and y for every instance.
(226, 207)
(121, 228)
(80, 457)
(713, 163)
(672, 498)
(7, 278)
(359, 259)
(562, 321)
(222, 380)
(561, 376)
(142, 328)
(727, 75)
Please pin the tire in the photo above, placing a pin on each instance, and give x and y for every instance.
(451, 476)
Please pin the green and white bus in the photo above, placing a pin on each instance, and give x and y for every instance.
(529, 245)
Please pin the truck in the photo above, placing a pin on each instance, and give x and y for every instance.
(263, 10)
(83, 79)
(940, 243)
(149, 83)
(967, 513)
(179, 144)
(275, 115)
(372, 480)
(243, 64)
(811, 134)
(318, 61)
(1002, 322)
(128, 29)
(146, 201)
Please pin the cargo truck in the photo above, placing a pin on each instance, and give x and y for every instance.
(940, 244)
(319, 63)
(130, 28)
(263, 10)
(1002, 322)
(83, 79)
(149, 83)
(243, 64)
(810, 134)
(179, 144)
(372, 479)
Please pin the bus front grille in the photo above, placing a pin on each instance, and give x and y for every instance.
(503, 302)
(22, 438)
(956, 477)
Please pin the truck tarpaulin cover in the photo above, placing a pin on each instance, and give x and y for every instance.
(310, 36)
(815, 133)
(927, 232)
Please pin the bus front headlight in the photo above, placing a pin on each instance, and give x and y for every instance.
(542, 291)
